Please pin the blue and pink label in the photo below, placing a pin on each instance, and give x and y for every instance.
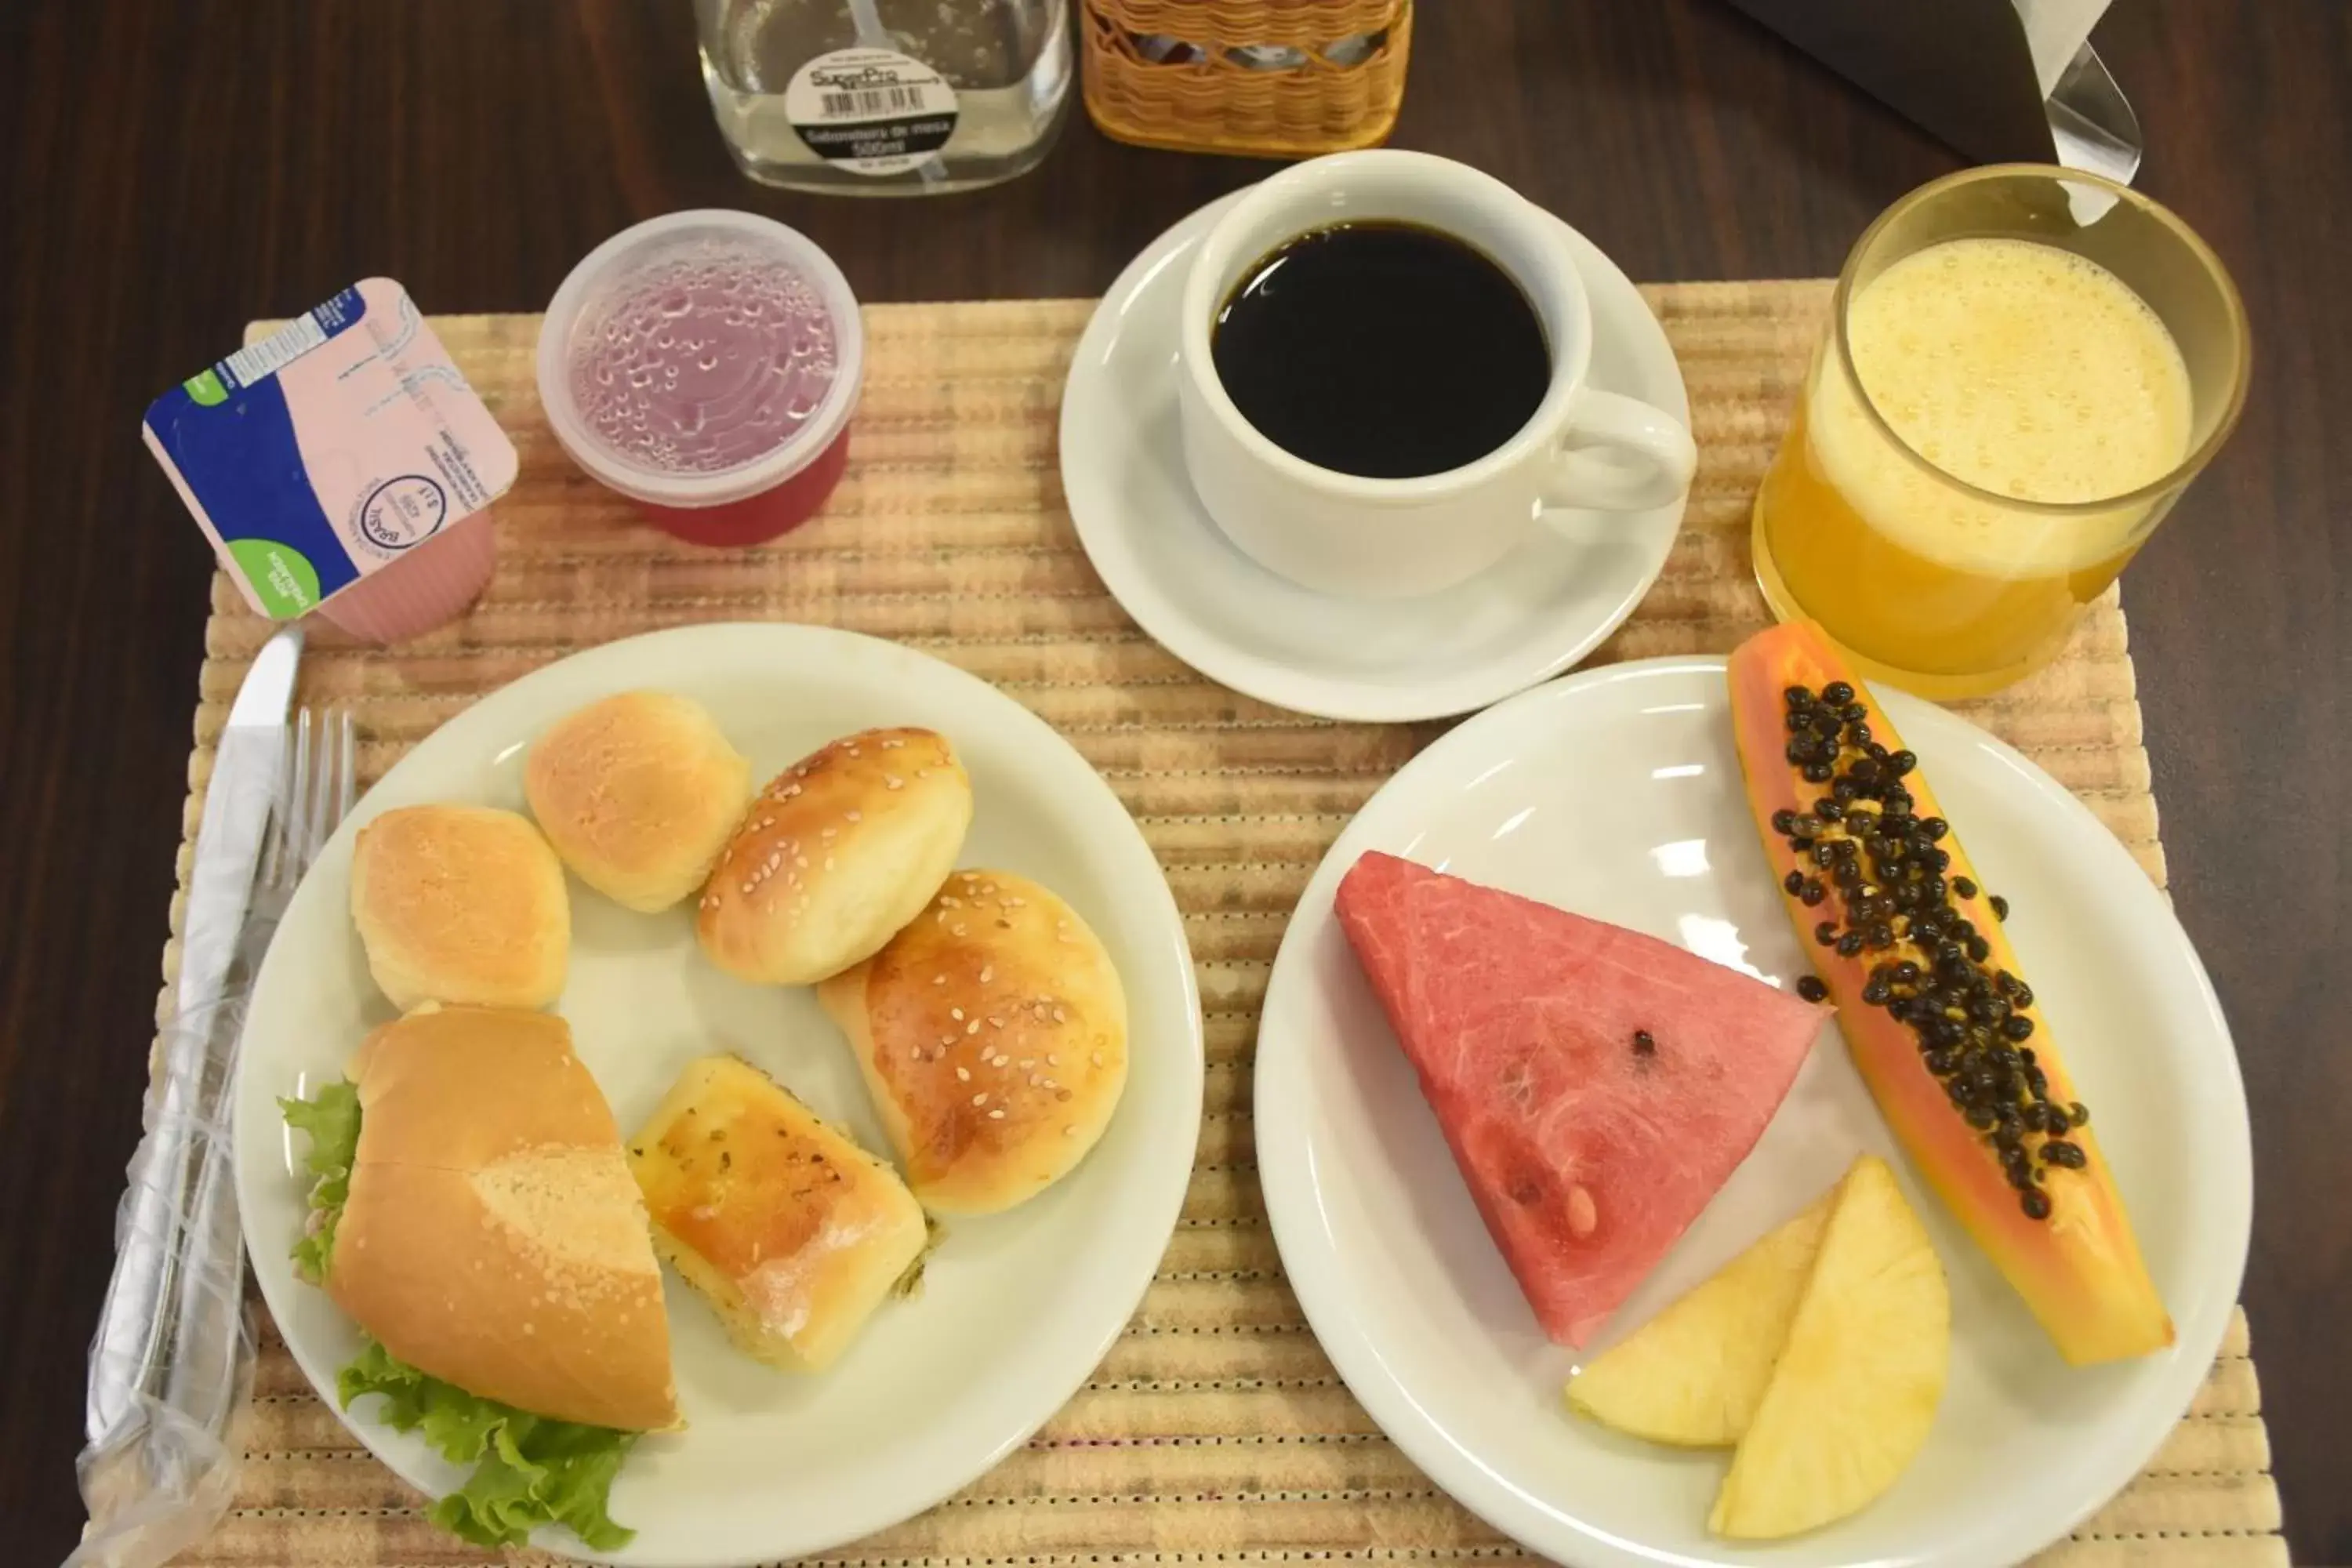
(331, 449)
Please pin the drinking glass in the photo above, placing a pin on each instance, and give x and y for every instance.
(1925, 578)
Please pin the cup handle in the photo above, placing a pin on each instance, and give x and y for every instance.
(1619, 454)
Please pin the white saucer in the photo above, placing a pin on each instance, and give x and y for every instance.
(1534, 614)
(1616, 793)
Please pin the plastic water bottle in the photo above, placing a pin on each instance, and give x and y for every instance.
(886, 97)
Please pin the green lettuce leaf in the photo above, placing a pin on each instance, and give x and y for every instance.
(528, 1470)
(331, 1119)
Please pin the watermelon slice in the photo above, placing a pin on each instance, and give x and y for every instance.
(1598, 1086)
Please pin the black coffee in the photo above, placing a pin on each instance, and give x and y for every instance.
(1382, 349)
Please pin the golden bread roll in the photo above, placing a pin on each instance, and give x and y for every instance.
(492, 1236)
(993, 1035)
(835, 856)
(791, 1232)
(460, 903)
(638, 793)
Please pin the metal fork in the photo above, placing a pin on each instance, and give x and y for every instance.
(321, 781)
(202, 1379)
(174, 1363)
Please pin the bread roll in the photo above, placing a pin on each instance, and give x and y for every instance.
(791, 1231)
(835, 856)
(638, 793)
(492, 1236)
(993, 1036)
(460, 903)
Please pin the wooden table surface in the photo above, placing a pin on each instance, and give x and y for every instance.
(169, 171)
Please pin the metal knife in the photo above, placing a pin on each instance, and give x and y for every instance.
(172, 1336)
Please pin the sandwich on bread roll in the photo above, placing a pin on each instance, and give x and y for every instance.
(842, 849)
(992, 1033)
(475, 1217)
(793, 1232)
(638, 793)
(460, 904)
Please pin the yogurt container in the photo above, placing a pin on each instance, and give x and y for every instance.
(341, 464)
(706, 364)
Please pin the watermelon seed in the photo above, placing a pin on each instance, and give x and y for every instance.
(1644, 1044)
(1582, 1216)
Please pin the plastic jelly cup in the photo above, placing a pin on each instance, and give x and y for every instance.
(773, 488)
(433, 586)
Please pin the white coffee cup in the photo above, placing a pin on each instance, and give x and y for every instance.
(1386, 538)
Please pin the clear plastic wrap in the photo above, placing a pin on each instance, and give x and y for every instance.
(168, 1379)
(171, 1363)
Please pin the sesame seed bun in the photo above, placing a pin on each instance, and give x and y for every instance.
(493, 1238)
(839, 851)
(460, 903)
(992, 1033)
(638, 793)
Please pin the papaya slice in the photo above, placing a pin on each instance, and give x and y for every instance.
(1935, 1010)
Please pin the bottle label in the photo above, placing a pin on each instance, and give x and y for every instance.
(871, 112)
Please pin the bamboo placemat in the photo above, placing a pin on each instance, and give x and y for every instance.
(1216, 1431)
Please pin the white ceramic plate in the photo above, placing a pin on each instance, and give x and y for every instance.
(1015, 1311)
(1532, 614)
(1617, 794)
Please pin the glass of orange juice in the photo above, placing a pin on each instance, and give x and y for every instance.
(2025, 367)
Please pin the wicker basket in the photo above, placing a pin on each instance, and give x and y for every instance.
(1281, 78)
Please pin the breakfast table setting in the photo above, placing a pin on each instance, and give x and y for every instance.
(1174, 781)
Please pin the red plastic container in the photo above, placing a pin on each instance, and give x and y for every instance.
(706, 364)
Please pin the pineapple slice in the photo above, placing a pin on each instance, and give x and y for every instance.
(1856, 1389)
(1693, 1375)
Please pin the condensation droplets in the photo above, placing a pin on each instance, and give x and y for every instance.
(704, 360)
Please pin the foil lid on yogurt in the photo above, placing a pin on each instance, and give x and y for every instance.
(334, 448)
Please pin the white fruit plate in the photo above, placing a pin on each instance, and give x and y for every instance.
(1616, 793)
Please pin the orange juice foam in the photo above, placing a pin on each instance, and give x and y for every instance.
(2021, 369)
